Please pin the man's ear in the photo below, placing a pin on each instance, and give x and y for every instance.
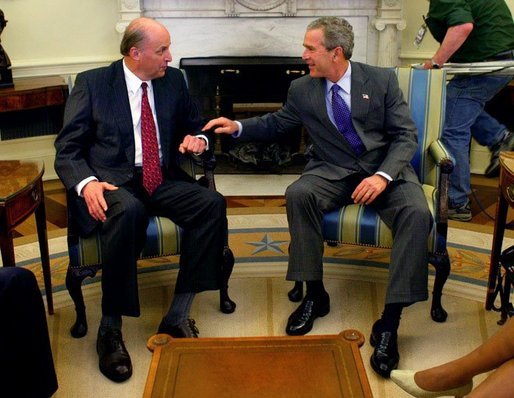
(135, 53)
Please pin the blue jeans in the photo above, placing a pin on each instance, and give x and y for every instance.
(466, 97)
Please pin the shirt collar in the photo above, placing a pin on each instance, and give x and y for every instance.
(345, 82)
(133, 82)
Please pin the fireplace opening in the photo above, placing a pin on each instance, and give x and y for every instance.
(242, 87)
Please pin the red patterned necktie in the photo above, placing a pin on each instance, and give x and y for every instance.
(343, 119)
(152, 174)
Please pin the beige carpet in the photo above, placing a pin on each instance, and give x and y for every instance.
(259, 288)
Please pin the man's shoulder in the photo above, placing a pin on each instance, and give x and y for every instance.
(173, 78)
(305, 82)
(102, 70)
(173, 70)
(358, 67)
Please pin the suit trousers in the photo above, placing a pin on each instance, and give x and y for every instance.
(26, 362)
(403, 208)
(200, 212)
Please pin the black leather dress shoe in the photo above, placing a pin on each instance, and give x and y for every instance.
(114, 359)
(302, 319)
(493, 170)
(385, 357)
(186, 328)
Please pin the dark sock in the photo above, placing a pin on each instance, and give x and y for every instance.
(110, 322)
(315, 289)
(390, 320)
(179, 309)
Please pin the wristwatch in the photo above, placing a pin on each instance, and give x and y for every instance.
(434, 65)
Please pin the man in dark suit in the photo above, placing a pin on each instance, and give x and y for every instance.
(363, 158)
(114, 116)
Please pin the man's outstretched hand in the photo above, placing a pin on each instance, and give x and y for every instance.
(221, 125)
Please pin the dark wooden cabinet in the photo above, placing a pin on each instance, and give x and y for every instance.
(33, 107)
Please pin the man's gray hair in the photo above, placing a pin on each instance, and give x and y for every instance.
(338, 33)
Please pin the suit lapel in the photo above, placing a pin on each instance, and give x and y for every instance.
(319, 102)
(161, 92)
(122, 112)
(360, 94)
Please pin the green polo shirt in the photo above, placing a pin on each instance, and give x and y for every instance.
(493, 28)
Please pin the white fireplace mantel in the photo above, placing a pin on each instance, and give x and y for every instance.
(201, 28)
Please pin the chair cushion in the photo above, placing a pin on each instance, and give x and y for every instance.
(361, 225)
(162, 239)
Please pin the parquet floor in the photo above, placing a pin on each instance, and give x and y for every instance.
(483, 204)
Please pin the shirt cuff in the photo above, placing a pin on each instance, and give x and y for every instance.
(238, 133)
(385, 175)
(82, 184)
(203, 137)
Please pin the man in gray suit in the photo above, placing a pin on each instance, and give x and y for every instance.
(366, 161)
(101, 161)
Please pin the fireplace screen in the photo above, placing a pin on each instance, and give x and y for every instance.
(241, 87)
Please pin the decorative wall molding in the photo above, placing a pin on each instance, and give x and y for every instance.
(256, 5)
(60, 66)
(256, 8)
(286, 8)
(268, 27)
(388, 22)
(129, 10)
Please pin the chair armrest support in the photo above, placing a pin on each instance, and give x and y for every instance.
(442, 158)
(445, 162)
(207, 162)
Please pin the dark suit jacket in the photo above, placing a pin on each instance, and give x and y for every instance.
(379, 113)
(97, 138)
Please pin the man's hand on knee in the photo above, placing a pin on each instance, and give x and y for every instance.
(93, 193)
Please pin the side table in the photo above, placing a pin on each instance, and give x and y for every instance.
(21, 194)
(33, 107)
(255, 367)
(505, 199)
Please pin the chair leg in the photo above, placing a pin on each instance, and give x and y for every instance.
(227, 306)
(296, 293)
(441, 263)
(74, 278)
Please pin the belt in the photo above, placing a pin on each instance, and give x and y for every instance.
(504, 55)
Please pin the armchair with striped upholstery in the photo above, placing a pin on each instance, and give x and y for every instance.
(163, 239)
(425, 92)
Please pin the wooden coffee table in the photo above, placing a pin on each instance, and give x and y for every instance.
(271, 367)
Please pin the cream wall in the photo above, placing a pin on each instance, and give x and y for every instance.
(42, 36)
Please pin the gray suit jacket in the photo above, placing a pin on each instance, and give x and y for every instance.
(97, 138)
(379, 113)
